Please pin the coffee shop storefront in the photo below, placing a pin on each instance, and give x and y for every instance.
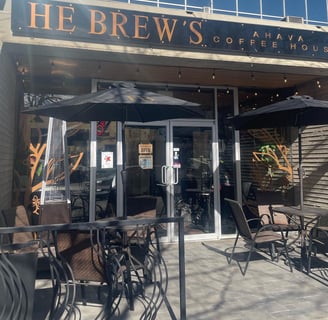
(52, 49)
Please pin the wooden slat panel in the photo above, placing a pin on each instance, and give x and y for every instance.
(315, 164)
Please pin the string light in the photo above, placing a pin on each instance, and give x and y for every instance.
(285, 79)
(213, 75)
(318, 84)
(179, 74)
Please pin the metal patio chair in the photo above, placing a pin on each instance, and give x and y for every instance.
(265, 235)
(318, 242)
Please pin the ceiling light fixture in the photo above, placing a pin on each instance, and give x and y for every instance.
(213, 75)
(285, 79)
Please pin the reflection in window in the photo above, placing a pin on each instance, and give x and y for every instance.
(199, 4)
(295, 10)
(273, 8)
(229, 5)
(250, 6)
(318, 11)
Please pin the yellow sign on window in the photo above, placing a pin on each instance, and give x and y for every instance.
(145, 148)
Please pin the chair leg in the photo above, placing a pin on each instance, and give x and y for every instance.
(233, 249)
(287, 256)
(247, 261)
(273, 252)
(309, 253)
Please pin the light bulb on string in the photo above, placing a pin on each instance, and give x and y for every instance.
(213, 75)
(179, 74)
(285, 79)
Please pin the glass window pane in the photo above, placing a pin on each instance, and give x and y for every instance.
(273, 8)
(171, 3)
(224, 6)
(141, 2)
(198, 4)
(228, 5)
(295, 8)
(317, 10)
(178, 2)
(226, 168)
(251, 6)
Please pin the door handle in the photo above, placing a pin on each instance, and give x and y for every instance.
(175, 175)
(164, 175)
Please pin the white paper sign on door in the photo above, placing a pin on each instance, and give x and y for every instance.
(107, 158)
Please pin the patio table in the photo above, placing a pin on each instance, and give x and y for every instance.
(312, 213)
(115, 258)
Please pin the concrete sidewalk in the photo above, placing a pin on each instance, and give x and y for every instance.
(217, 290)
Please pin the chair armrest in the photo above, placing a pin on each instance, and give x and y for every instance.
(272, 227)
(259, 221)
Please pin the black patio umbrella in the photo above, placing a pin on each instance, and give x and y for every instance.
(295, 111)
(121, 102)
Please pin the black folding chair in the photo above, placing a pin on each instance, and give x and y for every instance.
(265, 235)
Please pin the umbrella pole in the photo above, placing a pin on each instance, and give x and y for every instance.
(124, 173)
(124, 181)
(300, 166)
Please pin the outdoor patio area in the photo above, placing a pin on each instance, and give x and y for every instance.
(217, 290)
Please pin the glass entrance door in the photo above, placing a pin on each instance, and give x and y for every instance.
(193, 189)
(170, 172)
(145, 155)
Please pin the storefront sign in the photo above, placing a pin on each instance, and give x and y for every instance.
(78, 22)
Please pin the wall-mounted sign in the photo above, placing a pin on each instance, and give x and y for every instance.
(106, 25)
